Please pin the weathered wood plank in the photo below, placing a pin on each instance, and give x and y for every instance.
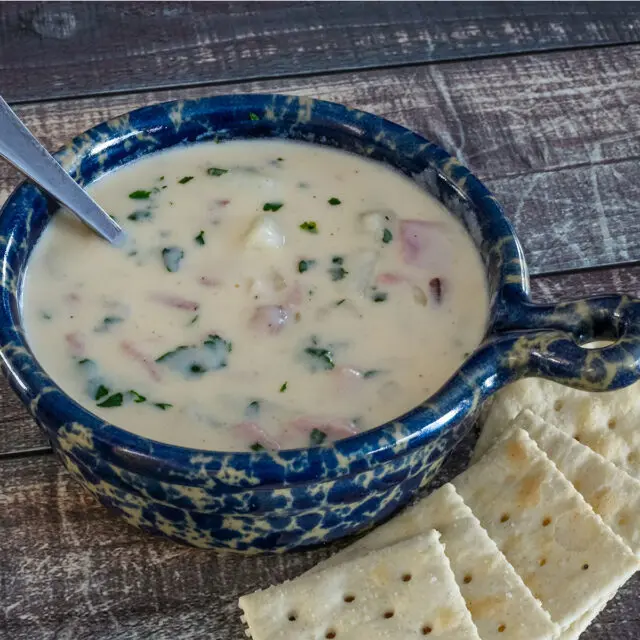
(73, 570)
(50, 50)
(557, 136)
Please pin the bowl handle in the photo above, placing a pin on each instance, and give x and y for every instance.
(543, 340)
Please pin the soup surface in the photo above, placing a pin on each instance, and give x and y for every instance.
(271, 294)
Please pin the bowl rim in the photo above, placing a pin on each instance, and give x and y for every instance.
(363, 451)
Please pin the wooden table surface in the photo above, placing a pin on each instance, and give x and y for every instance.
(540, 100)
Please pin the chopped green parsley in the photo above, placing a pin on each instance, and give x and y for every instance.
(199, 239)
(137, 216)
(305, 265)
(272, 206)
(137, 398)
(163, 405)
(140, 194)
(334, 201)
(101, 392)
(114, 400)
(172, 256)
(318, 358)
(309, 226)
(379, 296)
(216, 172)
(387, 236)
(254, 116)
(185, 179)
(317, 437)
(256, 446)
(283, 387)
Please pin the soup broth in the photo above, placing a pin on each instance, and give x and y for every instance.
(270, 295)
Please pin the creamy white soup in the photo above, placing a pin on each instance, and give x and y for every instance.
(271, 295)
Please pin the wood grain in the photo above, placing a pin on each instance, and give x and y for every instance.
(61, 49)
(556, 136)
(72, 570)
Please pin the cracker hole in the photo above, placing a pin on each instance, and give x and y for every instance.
(406, 577)
(504, 517)
(389, 614)
(502, 628)
(585, 566)
(330, 634)
(349, 597)
(558, 404)
(292, 617)
(546, 522)
(467, 579)
(612, 422)
(426, 630)
(542, 562)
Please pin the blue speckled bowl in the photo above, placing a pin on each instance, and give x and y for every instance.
(278, 501)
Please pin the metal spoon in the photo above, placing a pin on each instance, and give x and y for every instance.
(27, 155)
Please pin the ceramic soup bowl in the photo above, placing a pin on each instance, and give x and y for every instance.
(276, 501)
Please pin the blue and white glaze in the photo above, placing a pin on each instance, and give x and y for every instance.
(277, 501)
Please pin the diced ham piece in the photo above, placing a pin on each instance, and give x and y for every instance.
(294, 296)
(146, 361)
(389, 278)
(76, 344)
(254, 434)
(423, 243)
(335, 428)
(270, 318)
(176, 302)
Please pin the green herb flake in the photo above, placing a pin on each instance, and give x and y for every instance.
(337, 260)
(199, 239)
(45, 315)
(101, 392)
(379, 296)
(161, 178)
(216, 172)
(334, 202)
(317, 437)
(323, 358)
(194, 319)
(213, 340)
(172, 256)
(340, 302)
(137, 398)
(371, 373)
(185, 179)
(85, 362)
(140, 194)
(163, 405)
(283, 387)
(138, 216)
(112, 320)
(254, 117)
(252, 410)
(256, 446)
(309, 226)
(272, 206)
(114, 400)
(280, 159)
(337, 273)
(387, 236)
(169, 354)
(305, 265)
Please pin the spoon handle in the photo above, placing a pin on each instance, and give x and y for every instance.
(25, 153)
